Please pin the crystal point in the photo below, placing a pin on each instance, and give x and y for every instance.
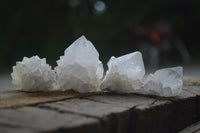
(33, 74)
(164, 82)
(80, 68)
(125, 73)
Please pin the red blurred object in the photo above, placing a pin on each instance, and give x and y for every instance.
(155, 38)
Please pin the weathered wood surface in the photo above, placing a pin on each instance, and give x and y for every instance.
(36, 119)
(100, 113)
(17, 98)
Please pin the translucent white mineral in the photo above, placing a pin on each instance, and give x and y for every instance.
(164, 82)
(33, 74)
(80, 68)
(124, 73)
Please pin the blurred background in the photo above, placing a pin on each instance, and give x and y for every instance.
(166, 32)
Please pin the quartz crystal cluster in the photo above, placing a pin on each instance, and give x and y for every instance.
(33, 74)
(164, 82)
(124, 73)
(80, 68)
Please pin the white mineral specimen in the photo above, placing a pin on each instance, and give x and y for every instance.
(124, 73)
(80, 69)
(33, 74)
(164, 82)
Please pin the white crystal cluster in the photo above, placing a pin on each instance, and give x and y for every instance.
(164, 82)
(124, 73)
(80, 68)
(33, 74)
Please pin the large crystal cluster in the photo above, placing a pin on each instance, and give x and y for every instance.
(164, 82)
(33, 74)
(80, 68)
(124, 73)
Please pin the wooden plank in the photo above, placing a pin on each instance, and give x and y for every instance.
(195, 89)
(194, 128)
(154, 118)
(125, 113)
(85, 107)
(11, 129)
(122, 100)
(185, 113)
(191, 80)
(186, 107)
(171, 114)
(144, 110)
(17, 98)
(114, 119)
(98, 112)
(43, 120)
(135, 106)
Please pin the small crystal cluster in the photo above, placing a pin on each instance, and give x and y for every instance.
(164, 82)
(33, 74)
(81, 70)
(124, 73)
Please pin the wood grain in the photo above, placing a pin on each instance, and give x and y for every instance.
(43, 120)
(17, 98)
(104, 112)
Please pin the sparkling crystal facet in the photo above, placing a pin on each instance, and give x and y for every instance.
(80, 68)
(33, 74)
(164, 82)
(124, 73)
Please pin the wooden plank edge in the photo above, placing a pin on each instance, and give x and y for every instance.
(19, 98)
